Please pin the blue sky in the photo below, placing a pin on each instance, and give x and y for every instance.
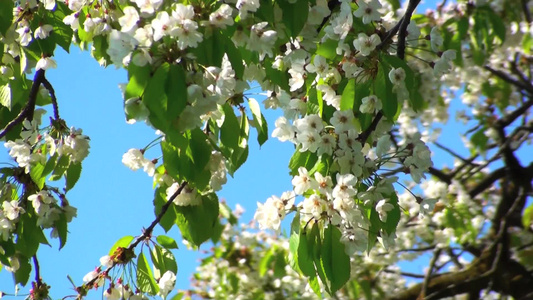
(113, 201)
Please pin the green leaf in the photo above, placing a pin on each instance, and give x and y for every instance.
(294, 242)
(315, 286)
(169, 218)
(259, 121)
(335, 261)
(145, 280)
(235, 57)
(6, 16)
(166, 242)
(138, 80)
(123, 242)
(383, 90)
(305, 253)
(171, 159)
(62, 230)
(5, 95)
(36, 174)
(375, 227)
(266, 260)
(50, 165)
(301, 159)
(22, 275)
(176, 90)
(315, 245)
(294, 15)
(197, 222)
(266, 11)
(29, 235)
(348, 95)
(328, 49)
(200, 149)
(211, 50)
(230, 128)
(527, 216)
(393, 216)
(60, 168)
(62, 33)
(156, 99)
(99, 48)
(73, 174)
(163, 261)
(279, 264)
(226, 213)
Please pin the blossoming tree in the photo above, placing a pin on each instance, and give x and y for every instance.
(361, 85)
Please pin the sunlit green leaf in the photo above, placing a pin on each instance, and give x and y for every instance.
(123, 242)
(335, 261)
(145, 279)
(72, 175)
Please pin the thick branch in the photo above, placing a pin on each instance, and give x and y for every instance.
(486, 182)
(400, 52)
(512, 279)
(27, 111)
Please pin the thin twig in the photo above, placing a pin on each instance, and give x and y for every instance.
(37, 270)
(427, 278)
(52, 93)
(511, 80)
(148, 231)
(406, 274)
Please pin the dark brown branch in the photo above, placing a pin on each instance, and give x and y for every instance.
(428, 276)
(486, 182)
(27, 111)
(440, 175)
(52, 93)
(37, 270)
(411, 6)
(148, 231)
(365, 134)
(510, 118)
(511, 80)
(406, 274)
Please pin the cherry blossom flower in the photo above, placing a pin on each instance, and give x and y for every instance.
(370, 105)
(222, 17)
(12, 209)
(435, 39)
(368, 11)
(129, 20)
(303, 182)
(148, 7)
(366, 44)
(43, 31)
(383, 207)
(166, 283)
(46, 63)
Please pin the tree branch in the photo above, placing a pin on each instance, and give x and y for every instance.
(411, 6)
(52, 93)
(511, 80)
(148, 231)
(27, 111)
